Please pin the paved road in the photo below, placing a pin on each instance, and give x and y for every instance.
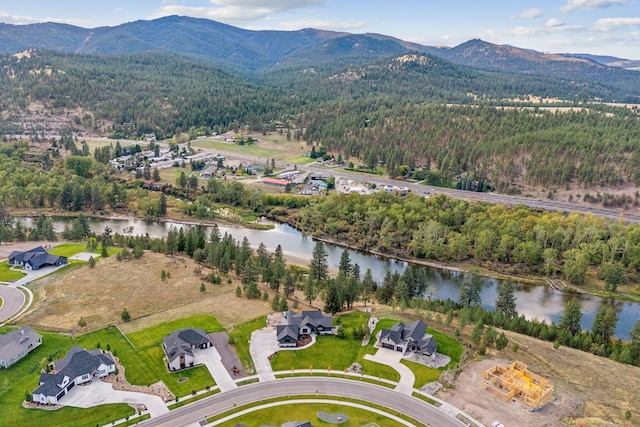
(12, 302)
(549, 205)
(187, 415)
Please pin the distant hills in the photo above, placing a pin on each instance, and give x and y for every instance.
(253, 51)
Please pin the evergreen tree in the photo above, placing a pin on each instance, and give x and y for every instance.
(506, 301)
(162, 205)
(319, 266)
(345, 263)
(571, 317)
(604, 324)
(333, 300)
(470, 290)
(310, 290)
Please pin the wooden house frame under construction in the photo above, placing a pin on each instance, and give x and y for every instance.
(516, 381)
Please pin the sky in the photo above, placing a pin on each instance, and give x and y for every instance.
(601, 27)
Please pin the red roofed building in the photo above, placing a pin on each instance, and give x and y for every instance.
(272, 181)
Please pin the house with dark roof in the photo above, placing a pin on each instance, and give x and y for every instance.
(410, 336)
(17, 344)
(35, 259)
(308, 322)
(178, 346)
(79, 366)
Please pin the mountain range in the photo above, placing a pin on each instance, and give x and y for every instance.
(254, 51)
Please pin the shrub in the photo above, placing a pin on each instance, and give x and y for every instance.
(82, 323)
(125, 315)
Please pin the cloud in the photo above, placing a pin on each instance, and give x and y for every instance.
(23, 20)
(530, 13)
(610, 24)
(591, 4)
(554, 23)
(237, 10)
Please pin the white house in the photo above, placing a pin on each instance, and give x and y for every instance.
(17, 344)
(79, 366)
(178, 346)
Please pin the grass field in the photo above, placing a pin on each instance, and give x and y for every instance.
(145, 365)
(242, 334)
(340, 353)
(281, 414)
(253, 150)
(328, 351)
(68, 249)
(154, 335)
(23, 378)
(7, 275)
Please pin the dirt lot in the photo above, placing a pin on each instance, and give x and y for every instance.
(589, 390)
(100, 294)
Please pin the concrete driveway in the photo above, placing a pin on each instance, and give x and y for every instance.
(392, 358)
(34, 275)
(213, 361)
(12, 301)
(263, 344)
(100, 393)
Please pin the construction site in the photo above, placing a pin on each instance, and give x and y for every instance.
(517, 382)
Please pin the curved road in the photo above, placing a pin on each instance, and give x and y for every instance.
(549, 205)
(283, 388)
(13, 301)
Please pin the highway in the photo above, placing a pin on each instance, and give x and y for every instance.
(542, 204)
(321, 386)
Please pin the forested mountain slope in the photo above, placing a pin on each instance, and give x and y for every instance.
(402, 111)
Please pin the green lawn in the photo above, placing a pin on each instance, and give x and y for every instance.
(145, 365)
(68, 249)
(241, 334)
(279, 415)
(23, 377)
(7, 275)
(328, 351)
(253, 149)
(340, 353)
(300, 160)
(155, 334)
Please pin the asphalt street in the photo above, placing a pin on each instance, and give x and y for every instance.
(290, 387)
(12, 302)
(543, 204)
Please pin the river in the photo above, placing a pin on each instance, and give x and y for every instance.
(533, 301)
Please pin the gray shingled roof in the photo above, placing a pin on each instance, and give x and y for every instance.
(180, 341)
(16, 341)
(77, 362)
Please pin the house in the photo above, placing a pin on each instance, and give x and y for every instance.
(35, 259)
(79, 366)
(306, 323)
(411, 336)
(178, 346)
(17, 344)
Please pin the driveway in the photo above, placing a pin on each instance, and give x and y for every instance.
(263, 344)
(392, 358)
(34, 275)
(12, 301)
(212, 360)
(100, 393)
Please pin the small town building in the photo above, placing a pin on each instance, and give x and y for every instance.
(178, 346)
(277, 182)
(16, 344)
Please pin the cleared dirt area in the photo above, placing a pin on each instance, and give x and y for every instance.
(100, 294)
(589, 390)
